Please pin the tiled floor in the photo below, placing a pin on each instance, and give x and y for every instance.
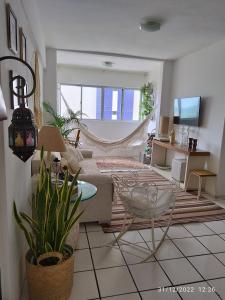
(189, 265)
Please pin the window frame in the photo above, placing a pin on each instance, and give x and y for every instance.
(102, 87)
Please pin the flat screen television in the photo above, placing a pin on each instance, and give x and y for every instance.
(186, 111)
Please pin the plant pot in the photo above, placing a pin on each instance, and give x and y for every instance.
(50, 282)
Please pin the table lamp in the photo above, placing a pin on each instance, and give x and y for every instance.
(50, 138)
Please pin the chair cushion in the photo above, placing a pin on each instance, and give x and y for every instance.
(142, 204)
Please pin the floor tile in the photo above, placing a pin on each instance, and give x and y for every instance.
(82, 227)
(198, 229)
(222, 236)
(167, 251)
(180, 271)
(177, 231)
(135, 255)
(83, 260)
(213, 242)
(84, 286)
(157, 295)
(133, 296)
(132, 237)
(217, 226)
(106, 257)
(148, 276)
(82, 242)
(190, 246)
(208, 266)
(147, 234)
(199, 291)
(99, 238)
(219, 285)
(115, 281)
(221, 257)
(93, 226)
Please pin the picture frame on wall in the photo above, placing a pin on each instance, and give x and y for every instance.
(23, 44)
(14, 100)
(12, 29)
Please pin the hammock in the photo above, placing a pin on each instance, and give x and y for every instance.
(131, 145)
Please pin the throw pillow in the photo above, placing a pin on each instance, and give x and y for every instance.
(72, 152)
(73, 165)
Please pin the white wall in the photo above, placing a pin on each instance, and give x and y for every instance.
(15, 180)
(50, 80)
(202, 74)
(77, 75)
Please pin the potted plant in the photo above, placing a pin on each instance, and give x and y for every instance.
(147, 100)
(49, 260)
(63, 122)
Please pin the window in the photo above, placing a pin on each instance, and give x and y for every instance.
(71, 96)
(101, 103)
(91, 102)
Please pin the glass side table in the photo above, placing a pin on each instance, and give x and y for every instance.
(87, 189)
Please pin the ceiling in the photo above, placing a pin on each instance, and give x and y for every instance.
(97, 61)
(113, 26)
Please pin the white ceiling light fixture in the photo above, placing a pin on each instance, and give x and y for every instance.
(108, 64)
(150, 25)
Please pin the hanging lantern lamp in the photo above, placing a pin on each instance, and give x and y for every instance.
(22, 130)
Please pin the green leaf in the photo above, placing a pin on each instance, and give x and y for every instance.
(67, 231)
(48, 247)
(73, 183)
(27, 234)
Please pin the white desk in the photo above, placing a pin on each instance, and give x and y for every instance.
(195, 159)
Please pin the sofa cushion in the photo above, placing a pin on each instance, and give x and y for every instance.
(89, 166)
(87, 153)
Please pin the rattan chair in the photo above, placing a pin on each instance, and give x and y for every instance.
(146, 201)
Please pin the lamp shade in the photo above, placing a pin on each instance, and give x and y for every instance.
(50, 138)
(164, 125)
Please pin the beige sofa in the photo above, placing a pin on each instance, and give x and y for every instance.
(98, 208)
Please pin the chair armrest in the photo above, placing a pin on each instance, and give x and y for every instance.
(96, 179)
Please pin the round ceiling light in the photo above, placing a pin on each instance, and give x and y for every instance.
(150, 26)
(108, 64)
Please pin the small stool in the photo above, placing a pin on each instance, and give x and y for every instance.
(200, 174)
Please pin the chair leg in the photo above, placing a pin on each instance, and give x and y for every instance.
(162, 239)
(199, 187)
(123, 231)
(150, 251)
(153, 234)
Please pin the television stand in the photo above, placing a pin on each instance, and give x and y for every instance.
(195, 159)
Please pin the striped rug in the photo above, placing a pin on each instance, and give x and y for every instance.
(187, 208)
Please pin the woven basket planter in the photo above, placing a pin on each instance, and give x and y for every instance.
(50, 282)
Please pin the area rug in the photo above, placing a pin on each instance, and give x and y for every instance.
(187, 208)
(118, 164)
